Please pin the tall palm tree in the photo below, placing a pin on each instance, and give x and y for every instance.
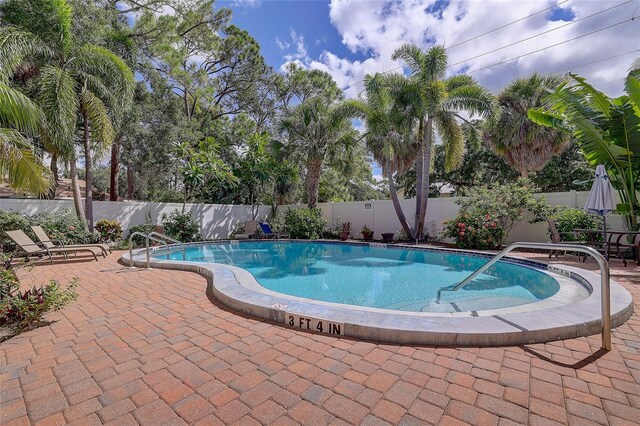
(389, 133)
(318, 132)
(437, 102)
(19, 116)
(84, 84)
(526, 146)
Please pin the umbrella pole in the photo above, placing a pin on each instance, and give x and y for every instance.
(606, 244)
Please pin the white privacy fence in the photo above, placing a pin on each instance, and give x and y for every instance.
(380, 215)
(219, 220)
(215, 220)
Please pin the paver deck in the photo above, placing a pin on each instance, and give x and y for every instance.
(149, 347)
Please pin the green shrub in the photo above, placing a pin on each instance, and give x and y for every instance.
(474, 231)
(569, 219)
(304, 223)
(11, 221)
(504, 205)
(64, 226)
(21, 311)
(109, 230)
(181, 226)
(146, 228)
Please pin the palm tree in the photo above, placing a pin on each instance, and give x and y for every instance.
(318, 132)
(84, 84)
(20, 116)
(606, 130)
(389, 134)
(526, 146)
(436, 101)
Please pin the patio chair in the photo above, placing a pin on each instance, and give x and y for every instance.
(28, 247)
(250, 230)
(48, 243)
(556, 238)
(634, 247)
(268, 233)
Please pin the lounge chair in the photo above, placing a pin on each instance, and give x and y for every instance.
(633, 247)
(268, 233)
(48, 243)
(250, 230)
(28, 247)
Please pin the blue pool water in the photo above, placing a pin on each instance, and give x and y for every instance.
(406, 280)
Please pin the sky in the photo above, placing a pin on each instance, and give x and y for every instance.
(352, 38)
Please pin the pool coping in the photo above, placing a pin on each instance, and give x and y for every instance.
(238, 289)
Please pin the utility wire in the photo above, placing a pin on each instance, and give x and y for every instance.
(529, 38)
(506, 25)
(476, 37)
(548, 47)
(575, 66)
(539, 34)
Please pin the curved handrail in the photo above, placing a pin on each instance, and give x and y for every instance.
(605, 301)
(150, 236)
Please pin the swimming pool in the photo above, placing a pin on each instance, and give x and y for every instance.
(398, 279)
(388, 293)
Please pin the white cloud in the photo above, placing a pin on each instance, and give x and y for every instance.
(376, 28)
(247, 3)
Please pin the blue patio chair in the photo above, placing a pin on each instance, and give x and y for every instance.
(267, 232)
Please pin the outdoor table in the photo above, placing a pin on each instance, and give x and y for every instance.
(592, 235)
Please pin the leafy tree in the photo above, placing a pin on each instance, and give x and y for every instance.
(607, 131)
(436, 100)
(75, 83)
(317, 132)
(388, 135)
(201, 164)
(525, 145)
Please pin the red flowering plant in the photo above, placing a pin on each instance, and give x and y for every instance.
(474, 231)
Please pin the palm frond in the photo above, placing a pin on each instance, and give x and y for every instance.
(58, 100)
(102, 132)
(472, 98)
(15, 46)
(21, 168)
(107, 66)
(18, 111)
(452, 139)
(411, 55)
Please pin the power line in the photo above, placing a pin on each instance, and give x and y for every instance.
(476, 37)
(542, 33)
(576, 66)
(525, 54)
(550, 46)
(506, 25)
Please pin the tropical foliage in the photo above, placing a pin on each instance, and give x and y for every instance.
(526, 146)
(436, 101)
(606, 129)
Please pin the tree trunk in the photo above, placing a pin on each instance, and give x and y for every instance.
(88, 174)
(524, 173)
(54, 173)
(75, 188)
(115, 168)
(129, 181)
(419, 168)
(426, 168)
(396, 205)
(314, 168)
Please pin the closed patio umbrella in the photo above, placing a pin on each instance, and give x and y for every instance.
(600, 200)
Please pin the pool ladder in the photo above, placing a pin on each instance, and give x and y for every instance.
(605, 283)
(153, 236)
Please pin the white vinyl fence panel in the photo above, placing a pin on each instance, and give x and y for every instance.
(219, 220)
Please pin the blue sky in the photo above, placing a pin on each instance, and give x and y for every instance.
(351, 38)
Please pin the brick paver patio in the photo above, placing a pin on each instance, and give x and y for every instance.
(149, 347)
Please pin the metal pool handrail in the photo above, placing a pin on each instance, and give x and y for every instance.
(150, 236)
(605, 284)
